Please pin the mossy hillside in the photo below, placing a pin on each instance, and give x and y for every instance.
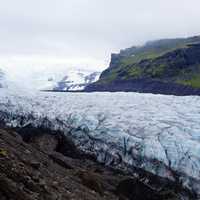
(136, 71)
(193, 81)
(130, 62)
(155, 49)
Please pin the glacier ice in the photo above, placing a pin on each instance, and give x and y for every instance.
(160, 134)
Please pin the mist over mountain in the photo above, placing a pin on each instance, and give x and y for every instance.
(85, 32)
(167, 66)
(2, 79)
(46, 78)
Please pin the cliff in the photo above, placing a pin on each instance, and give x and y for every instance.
(164, 66)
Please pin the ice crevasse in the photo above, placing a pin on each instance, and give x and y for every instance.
(160, 134)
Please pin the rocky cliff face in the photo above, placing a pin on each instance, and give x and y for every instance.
(144, 86)
(166, 67)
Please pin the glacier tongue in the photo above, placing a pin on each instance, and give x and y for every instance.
(160, 134)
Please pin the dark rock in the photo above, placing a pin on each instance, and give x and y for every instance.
(49, 141)
(66, 147)
(41, 138)
(115, 59)
(35, 165)
(144, 85)
(135, 189)
(61, 160)
(91, 180)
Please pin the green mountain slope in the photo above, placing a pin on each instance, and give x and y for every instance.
(169, 61)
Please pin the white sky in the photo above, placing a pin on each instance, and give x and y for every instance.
(55, 34)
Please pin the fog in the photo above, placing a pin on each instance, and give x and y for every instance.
(52, 35)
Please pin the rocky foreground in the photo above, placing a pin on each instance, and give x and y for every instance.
(40, 164)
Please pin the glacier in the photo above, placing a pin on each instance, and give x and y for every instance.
(157, 133)
(76, 80)
(64, 79)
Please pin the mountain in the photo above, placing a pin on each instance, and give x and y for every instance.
(168, 66)
(76, 80)
(46, 79)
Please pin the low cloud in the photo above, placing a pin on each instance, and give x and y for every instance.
(85, 32)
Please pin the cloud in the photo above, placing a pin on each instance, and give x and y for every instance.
(85, 32)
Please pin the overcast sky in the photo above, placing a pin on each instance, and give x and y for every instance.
(83, 33)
